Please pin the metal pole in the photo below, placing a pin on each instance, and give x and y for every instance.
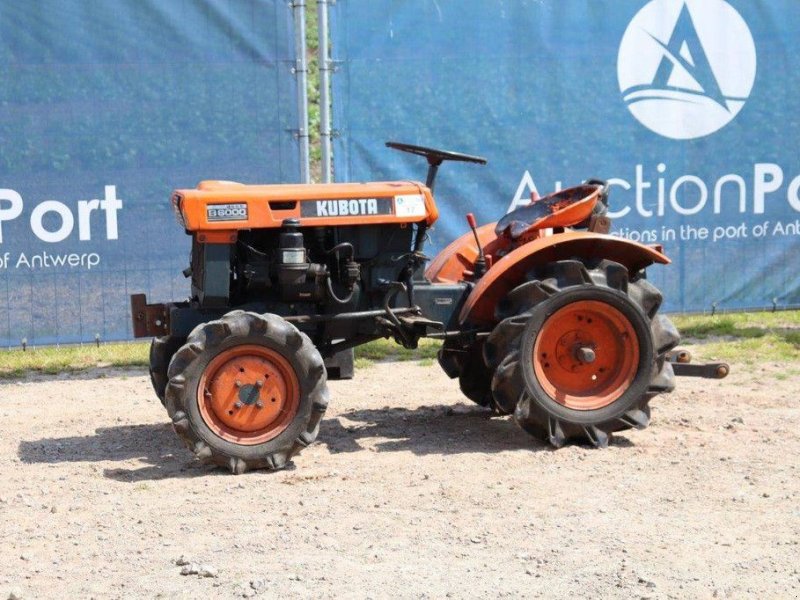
(301, 73)
(324, 90)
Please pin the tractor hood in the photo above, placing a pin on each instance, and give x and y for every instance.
(226, 205)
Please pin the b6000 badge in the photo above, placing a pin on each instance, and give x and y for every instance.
(226, 212)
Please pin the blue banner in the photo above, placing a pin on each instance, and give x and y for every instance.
(688, 107)
(105, 107)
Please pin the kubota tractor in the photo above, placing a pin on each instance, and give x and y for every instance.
(541, 315)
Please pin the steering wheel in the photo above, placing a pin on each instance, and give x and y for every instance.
(436, 157)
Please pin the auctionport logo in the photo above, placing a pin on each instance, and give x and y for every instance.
(686, 67)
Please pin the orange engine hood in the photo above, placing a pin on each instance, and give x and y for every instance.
(226, 205)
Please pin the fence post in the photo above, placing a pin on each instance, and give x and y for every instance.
(301, 73)
(325, 69)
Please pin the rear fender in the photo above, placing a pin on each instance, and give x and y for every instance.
(509, 271)
(456, 262)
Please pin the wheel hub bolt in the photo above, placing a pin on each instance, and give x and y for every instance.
(238, 383)
(585, 354)
(259, 384)
(259, 404)
(238, 404)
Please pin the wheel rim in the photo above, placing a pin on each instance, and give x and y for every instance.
(248, 394)
(586, 355)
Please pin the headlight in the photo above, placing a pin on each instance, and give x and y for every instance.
(177, 199)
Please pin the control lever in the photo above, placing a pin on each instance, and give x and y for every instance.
(480, 262)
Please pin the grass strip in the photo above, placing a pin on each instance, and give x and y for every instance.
(747, 338)
(64, 359)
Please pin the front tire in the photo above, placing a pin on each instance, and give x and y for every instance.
(466, 364)
(580, 351)
(247, 391)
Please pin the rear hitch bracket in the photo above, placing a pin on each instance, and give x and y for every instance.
(149, 320)
(683, 367)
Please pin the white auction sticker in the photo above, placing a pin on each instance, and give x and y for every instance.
(409, 205)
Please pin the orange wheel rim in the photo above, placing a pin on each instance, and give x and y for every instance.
(248, 394)
(586, 355)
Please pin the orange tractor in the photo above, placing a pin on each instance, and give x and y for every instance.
(542, 315)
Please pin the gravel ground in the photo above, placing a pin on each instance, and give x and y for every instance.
(410, 492)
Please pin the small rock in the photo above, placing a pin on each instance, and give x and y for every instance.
(16, 594)
(207, 571)
(201, 570)
(258, 584)
(53, 509)
(182, 561)
(648, 584)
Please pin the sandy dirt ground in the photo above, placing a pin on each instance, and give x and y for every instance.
(410, 492)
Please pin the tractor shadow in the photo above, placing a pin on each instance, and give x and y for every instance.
(426, 430)
(454, 429)
(154, 444)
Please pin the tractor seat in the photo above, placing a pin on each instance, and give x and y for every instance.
(560, 209)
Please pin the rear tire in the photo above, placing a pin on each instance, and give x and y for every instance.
(247, 391)
(466, 364)
(580, 351)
